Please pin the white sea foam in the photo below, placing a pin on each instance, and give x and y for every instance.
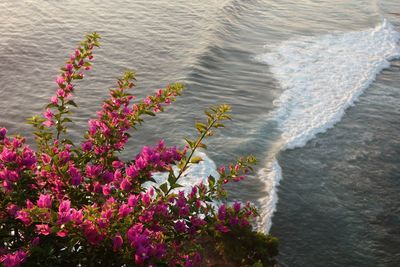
(321, 77)
(271, 176)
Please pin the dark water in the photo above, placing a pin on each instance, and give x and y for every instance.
(338, 200)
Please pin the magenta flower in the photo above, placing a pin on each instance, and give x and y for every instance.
(3, 132)
(69, 67)
(64, 212)
(131, 171)
(48, 114)
(92, 235)
(222, 212)
(237, 206)
(60, 80)
(48, 123)
(87, 146)
(106, 189)
(222, 228)
(46, 158)
(77, 216)
(13, 259)
(42, 229)
(44, 201)
(126, 185)
(8, 155)
(62, 233)
(124, 211)
(132, 200)
(93, 171)
(61, 93)
(76, 177)
(12, 209)
(180, 226)
(117, 242)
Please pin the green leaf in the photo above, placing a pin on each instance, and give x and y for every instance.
(176, 185)
(258, 264)
(148, 112)
(51, 105)
(195, 160)
(72, 103)
(191, 143)
(171, 178)
(164, 187)
(201, 127)
(202, 145)
(219, 125)
(211, 181)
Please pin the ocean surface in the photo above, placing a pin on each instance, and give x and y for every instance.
(314, 87)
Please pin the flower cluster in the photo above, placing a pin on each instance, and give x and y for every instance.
(82, 205)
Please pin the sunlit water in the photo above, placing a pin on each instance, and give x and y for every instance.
(315, 90)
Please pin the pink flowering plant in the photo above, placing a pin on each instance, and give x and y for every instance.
(66, 204)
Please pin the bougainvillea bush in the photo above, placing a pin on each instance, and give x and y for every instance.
(66, 204)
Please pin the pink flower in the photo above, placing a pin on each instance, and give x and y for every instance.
(108, 177)
(77, 216)
(42, 229)
(46, 159)
(131, 171)
(44, 201)
(222, 228)
(147, 101)
(117, 164)
(180, 226)
(8, 155)
(54, 100)
(106, 190)
(62, 233)
(117, 242)
(126, 185)
(69, 67)
(117, 175)
(87, 146)
(69, 87)
(48, 123)
(13, 259)
(61, 93)
(3, 132)
(65, 206)
(124, 211)
(222, 212)
(93, 171)
(60, 80)
(237, 206)
(76, 177)
(29, 204)
(197, 222)
(64, 213)
(48, 114)
(12, 209)
(92, 235)
(132, 200)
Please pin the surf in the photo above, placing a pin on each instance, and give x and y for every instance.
(320, 78)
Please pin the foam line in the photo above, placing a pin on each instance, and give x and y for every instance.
(321, 77)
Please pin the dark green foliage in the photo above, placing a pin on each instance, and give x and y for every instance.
(245, 247)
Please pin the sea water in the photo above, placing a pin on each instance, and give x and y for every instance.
(314, 87)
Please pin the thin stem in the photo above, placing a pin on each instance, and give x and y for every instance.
(198, 141)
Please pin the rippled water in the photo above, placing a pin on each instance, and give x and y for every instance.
(338, 197)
